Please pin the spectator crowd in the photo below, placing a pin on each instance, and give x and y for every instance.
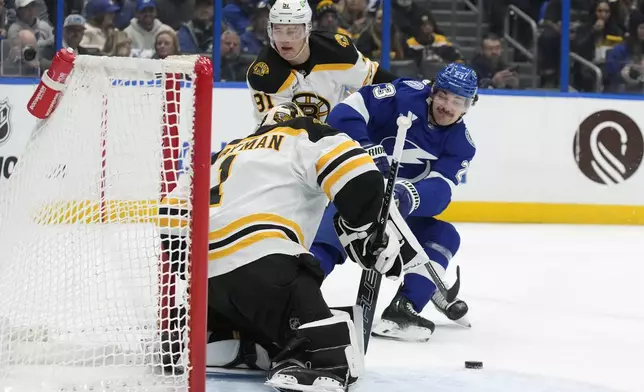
(606, 35)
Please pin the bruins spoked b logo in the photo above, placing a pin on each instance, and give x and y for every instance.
(313, 105)
(608, 147)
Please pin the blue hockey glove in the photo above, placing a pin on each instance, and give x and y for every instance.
(377, 152)
(406, 197)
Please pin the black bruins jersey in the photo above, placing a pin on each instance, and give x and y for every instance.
(334, 69)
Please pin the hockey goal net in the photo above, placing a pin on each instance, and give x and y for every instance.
(93, 297)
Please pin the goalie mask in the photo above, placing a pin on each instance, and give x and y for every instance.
(280, 113)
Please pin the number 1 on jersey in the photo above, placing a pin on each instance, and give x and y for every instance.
(216, 194)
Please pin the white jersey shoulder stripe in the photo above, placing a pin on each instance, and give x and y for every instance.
(356, 102)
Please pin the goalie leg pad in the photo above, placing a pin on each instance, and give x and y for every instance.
(333, 344)
(356, 314)
(237, 353)
(329, 357)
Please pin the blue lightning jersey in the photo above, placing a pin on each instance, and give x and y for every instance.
(435, 158)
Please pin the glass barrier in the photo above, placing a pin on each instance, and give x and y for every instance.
(552, 45)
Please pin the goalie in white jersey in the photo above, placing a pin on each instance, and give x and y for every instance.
(311, 68)
(269, 192)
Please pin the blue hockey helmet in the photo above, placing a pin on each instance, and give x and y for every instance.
(457, 79)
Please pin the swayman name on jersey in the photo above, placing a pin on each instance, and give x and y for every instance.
(434, 158)
(270, 190)
(335, 66)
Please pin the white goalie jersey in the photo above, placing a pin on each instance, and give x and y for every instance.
(269, 190)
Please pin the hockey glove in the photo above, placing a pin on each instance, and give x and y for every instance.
(379, 156)
(363, 248)
(406, 197)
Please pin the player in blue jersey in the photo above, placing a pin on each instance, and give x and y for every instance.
(437, 154)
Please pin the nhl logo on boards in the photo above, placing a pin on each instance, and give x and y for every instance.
(342, 40)
(260, 69)
(608, 147)
(5, 121)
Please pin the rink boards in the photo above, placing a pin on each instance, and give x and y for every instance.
(541, 160)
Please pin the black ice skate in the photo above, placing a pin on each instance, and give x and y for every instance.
(455, 311)
(401, 322)
(291, 375)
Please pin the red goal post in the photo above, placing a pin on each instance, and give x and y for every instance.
(91, 295)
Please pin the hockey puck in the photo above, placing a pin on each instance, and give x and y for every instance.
(473, 365)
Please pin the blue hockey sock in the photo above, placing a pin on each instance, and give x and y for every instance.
(328, 256)
(418, 290)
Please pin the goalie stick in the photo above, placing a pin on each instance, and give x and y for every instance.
(370, 279)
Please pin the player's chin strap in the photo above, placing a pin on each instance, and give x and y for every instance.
(306, 44)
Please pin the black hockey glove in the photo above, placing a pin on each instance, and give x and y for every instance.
(362, 247)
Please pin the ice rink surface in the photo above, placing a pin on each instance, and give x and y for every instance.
(553, 308)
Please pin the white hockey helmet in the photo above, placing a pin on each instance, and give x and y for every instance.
(282, 112)
(290, 12)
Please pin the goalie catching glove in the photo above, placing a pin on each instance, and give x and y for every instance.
(363, 247)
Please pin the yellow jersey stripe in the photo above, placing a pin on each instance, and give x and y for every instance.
(324, 159)
(173, 223)
(256, 218)
(287, 83)
(332, 179)
(332, 67)
(286, 130)
(246, 242)
(373, 67)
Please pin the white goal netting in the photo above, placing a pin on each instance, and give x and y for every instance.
(93, 295)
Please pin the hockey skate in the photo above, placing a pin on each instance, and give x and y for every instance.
(455, 311)
(291, 375)
(401, 322)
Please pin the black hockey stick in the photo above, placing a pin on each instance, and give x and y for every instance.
(370, 280)
(451, 293)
